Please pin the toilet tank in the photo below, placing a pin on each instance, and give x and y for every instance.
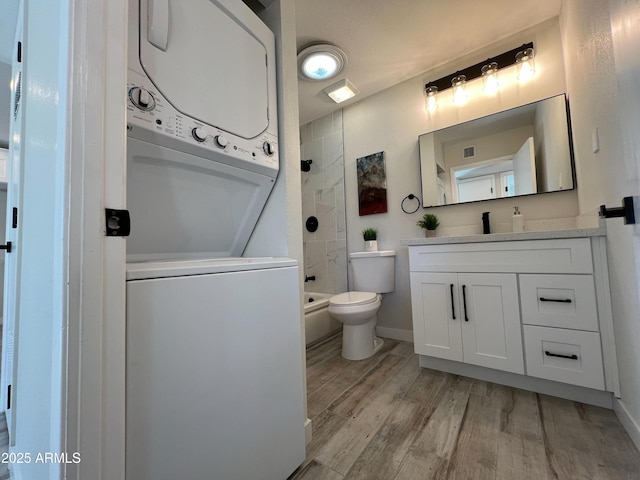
(373, 271)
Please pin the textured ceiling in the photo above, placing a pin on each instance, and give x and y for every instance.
(387, 42)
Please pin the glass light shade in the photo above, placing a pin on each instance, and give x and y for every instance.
(525, 64)
(431, 102)
(459, 91)
(341, 91)
(320, 61)
(490, 78)
(320, 66)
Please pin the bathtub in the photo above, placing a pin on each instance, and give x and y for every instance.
(318, 324)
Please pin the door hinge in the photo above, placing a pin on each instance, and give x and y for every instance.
(117, 222)
(19, 53)
(8, 397)
(14, 218)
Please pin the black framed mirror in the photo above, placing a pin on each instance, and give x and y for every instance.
(522, 151)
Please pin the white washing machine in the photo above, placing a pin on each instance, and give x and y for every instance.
(213, 341)
(202, 147)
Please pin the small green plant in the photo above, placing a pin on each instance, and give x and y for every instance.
(429, 222)
(370, 234)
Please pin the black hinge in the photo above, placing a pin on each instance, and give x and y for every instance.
(14, 217)
(8, 397)
(117, 222)
(19, 53)
(491, 189)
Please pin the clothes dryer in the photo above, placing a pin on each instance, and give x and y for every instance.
(202, 148)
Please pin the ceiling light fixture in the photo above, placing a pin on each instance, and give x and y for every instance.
(341, 91)
(320, 61)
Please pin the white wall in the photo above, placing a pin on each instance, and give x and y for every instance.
(325, 250)
(601, 45)
(392, 120)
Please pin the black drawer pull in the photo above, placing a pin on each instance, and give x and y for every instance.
(464, 302)
(570, 357)
(453, 308)
(558, 300)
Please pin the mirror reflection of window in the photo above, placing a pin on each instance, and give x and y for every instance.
(525, 150)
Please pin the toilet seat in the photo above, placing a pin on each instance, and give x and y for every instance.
(353, 299)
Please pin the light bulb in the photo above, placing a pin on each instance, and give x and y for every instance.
(432, 101)
(459, 91)
(525, 65)
(490, 78)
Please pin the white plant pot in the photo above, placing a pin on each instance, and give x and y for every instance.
(370, 245)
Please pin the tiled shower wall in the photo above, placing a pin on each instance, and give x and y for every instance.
(325, 250)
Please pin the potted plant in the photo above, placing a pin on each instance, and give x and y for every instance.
(370, 236)
(429, 222)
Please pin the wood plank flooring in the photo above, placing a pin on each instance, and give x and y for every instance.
(386, 418)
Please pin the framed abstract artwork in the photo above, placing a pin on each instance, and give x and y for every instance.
(372, 184)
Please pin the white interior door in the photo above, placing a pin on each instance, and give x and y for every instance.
(11, 292)
(477, 188)
(524, 169)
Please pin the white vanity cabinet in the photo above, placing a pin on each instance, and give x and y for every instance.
(539, 308)
(469, 317)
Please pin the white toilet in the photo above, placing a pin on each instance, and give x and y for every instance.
(373, 274)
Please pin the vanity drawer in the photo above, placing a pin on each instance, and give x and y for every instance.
(567, 255)
(567, 356)
(564, 301)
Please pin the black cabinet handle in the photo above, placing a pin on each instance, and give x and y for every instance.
(560, 300)
(570, 357)
(464, 302)
(453, 308)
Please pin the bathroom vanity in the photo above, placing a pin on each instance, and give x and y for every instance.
(530, 310)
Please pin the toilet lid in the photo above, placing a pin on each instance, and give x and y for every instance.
(353, 298)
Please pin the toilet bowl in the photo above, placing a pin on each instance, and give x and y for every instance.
(357, 312)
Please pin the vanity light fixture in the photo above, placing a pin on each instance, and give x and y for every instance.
(521, 56)
(320, 61)
(490, 78)
(525, 64)
(460, 96)
(431, 103)
(341, 91)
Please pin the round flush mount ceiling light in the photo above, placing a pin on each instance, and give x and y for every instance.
(320, 61)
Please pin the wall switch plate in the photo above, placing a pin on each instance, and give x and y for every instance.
(595, 140)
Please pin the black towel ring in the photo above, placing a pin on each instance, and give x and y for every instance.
(411, 196)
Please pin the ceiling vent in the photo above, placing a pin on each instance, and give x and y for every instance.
(469, 152)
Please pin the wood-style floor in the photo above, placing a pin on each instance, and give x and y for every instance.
(386, 418)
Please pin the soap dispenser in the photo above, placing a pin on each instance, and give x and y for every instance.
(486, 228)
(518, 221)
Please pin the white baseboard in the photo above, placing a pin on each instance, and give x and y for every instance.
(307, 431)
(628, 422)
(395, 333)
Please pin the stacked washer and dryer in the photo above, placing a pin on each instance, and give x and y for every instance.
(214, 355)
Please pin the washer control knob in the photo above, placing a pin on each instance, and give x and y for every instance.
(268, 148)
(199, 134)
(143, 99)
(221, 141)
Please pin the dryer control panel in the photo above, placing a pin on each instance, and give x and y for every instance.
(150, 117)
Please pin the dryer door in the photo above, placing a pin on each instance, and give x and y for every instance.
(184, 206)
(208, 60)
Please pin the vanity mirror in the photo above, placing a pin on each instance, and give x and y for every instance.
(522, 151)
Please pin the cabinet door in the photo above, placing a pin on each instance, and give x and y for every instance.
(436, 315)
(491, 331)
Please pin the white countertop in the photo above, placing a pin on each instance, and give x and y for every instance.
(508, 237)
